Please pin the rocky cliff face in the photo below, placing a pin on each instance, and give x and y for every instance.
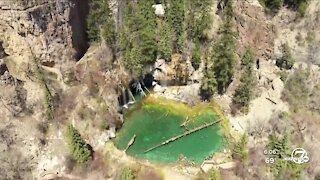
(86, 91)
(255, 29)
(52, 30)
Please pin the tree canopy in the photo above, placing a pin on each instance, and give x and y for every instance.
(245, 91)
(176, 12)
(100, 22)
(79, 148)
(223, 56)
(220, 64)
(138, 43)
(274, 6)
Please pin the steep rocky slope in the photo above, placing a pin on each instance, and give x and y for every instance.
(40, 43)
(84, 83)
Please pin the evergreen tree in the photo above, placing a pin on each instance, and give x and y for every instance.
(138, 36)
(209, 83)
(79, 148)
(245, 91)
(165, 43)
(196, 56)
(219, 69)
(199, 19)
(223, 55)
(100, 22)
(274, 6)
(240, 149)
(176, 18)
(220, 66)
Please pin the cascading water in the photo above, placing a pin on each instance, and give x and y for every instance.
(124, 98)
(132, 100)
(140, 89)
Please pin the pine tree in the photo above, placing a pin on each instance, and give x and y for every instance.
(209, 83)
(165, 43)
(245, 91)
(79, 148)
(196, 56)
(176, 18)
(138, 36)
(240, 149)
(100, 22)
(223, 52)
(199, 19)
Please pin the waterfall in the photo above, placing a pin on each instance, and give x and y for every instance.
(124, 98)
(140, 89)
(132, 100)
(127, 98)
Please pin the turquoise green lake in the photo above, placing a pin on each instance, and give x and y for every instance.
(154, 123)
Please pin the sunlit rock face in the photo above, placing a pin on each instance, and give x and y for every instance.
(178, 71)
(53, 31)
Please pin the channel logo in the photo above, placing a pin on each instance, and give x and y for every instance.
(299, 156)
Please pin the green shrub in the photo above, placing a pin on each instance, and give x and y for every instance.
(272, 6)
(104, 125)
(286, 61)
(299, 5)
(80, 150)
(126, 174)
(283, 75)
(196, 56)
(296, 89)
(302, 8)
(214, 174)
(240, 149)
(310, 37)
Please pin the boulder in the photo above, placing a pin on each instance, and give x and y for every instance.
(159, 9)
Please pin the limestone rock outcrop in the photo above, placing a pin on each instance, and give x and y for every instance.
(53, 31)
(254, 28)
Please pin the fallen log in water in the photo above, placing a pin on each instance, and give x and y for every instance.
(185, 122)
(181, 135)
(130, 142)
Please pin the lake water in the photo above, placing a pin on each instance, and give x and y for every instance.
(157, 120)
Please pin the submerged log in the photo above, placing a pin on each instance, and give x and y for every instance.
(130, 142)
(185, 122)
(181, 135)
